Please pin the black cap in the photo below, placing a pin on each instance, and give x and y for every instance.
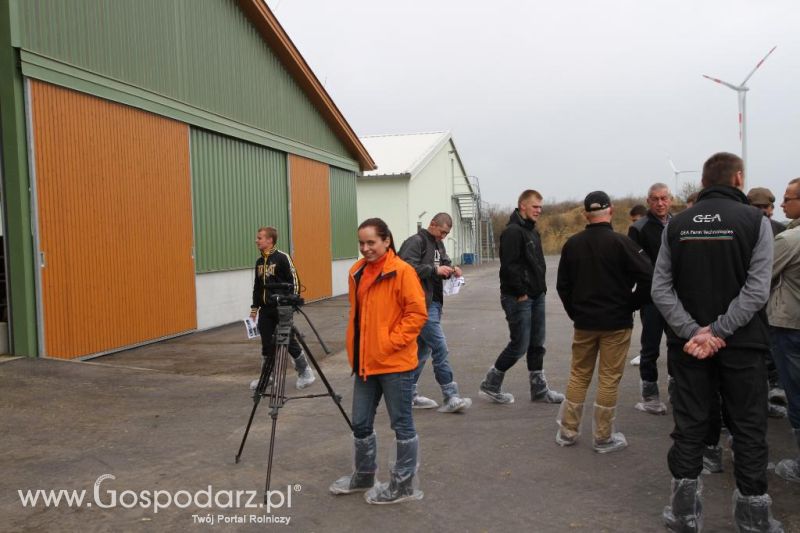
(597, 200)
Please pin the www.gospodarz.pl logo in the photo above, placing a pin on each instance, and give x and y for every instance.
(156, 500)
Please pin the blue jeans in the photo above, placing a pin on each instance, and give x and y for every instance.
(652, 330)
(431, 341)
(397, 388)
(526, 328)
(786, 352)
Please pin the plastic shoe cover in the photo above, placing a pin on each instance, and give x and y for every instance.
(606, 439)
(569, 422)
(789, 469)
(752, 514)
(365, 467)
(777, 395)
(712, 460)
(490, 387)
(650, 399)
(685, 512)
(776, 411)
(636, 361)
(403, 481)
(254, 384)
(422, 402)
(455, 404)
(540, 392)
(305, 376)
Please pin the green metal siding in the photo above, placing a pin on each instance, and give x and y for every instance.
(204, 53)
(344, 215)
(237, 187)
(16, 196)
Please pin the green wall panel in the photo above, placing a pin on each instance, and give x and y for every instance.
(344, 216)
(237, 187)
(204, 53)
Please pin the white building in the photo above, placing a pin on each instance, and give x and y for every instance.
(419, 175)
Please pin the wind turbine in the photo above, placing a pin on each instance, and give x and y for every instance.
(741, 92)
(677, 173)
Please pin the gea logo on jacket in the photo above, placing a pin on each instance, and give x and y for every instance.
(707, 218)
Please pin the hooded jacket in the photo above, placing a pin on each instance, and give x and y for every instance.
(382, 335)
(522, 266)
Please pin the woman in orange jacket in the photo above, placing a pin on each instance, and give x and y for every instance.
(387, 312)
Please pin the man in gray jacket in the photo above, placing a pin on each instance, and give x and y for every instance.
(783, 311)
(426, 253)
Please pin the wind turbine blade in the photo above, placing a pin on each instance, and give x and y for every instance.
(725, 83)
(687, 171)
(758, 65)
(672, 165)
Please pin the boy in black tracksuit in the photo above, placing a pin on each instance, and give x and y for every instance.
(274, 266)
(711, 283)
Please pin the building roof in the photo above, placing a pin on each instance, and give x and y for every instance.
(279, 42)
(403, 155)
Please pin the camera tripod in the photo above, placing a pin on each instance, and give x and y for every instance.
(287, 306)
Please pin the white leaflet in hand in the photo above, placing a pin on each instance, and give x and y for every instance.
(452, 285)
(252, 328)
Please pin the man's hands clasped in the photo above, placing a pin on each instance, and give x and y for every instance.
(703, 344)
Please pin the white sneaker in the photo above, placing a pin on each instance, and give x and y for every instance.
(421, 402)
(305, 378)
(454, 404)
(635, 361)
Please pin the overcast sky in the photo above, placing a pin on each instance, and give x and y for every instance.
(564, 97)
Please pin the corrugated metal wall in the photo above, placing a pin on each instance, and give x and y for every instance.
(344, 214)
(201, 52)
(238, 187)
(115, 223)
(311, 225)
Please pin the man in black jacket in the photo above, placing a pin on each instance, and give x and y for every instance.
(275, 266)
(425, 251)
(596, 275)
(711, 282)
(522, 291)
(646, 232)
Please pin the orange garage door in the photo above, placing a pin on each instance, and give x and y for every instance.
(311, 225)
(115, 223)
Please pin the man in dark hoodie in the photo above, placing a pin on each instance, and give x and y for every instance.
(522, 292)
(711, 283)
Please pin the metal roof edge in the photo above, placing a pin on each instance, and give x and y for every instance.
(261, 16)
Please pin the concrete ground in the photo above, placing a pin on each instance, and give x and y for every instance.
(169, 417)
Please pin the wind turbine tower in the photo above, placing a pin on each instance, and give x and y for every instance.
(677, 173)
(741, 92)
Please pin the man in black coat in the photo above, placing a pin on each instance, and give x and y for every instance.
(522, 292)
(597, 273)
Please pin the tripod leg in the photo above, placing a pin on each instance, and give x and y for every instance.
(335, 397)
(247, 430)
(277, 400)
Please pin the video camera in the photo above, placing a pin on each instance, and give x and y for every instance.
(288, 298)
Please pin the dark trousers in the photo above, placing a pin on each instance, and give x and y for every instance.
(526, 327)
(267, 322)
(786, 349)
(652, 330)
(739, 376)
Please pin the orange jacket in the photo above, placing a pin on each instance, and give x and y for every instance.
(388, 324)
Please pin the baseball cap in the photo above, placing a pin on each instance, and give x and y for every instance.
(596, 201)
